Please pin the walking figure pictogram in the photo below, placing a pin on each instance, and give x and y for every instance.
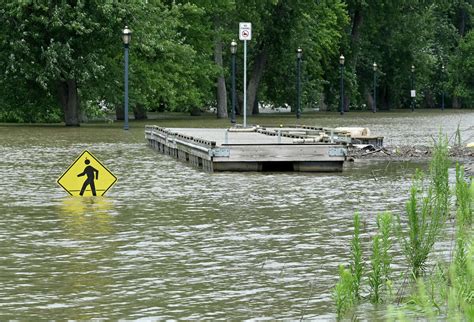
(89, 171)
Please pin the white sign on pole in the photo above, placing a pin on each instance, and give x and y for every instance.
(245, 31)
(413, 93)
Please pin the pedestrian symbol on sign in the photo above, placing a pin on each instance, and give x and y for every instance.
(89, 171)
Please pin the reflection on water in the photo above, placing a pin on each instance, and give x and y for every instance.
(86, 216)
(171, 241)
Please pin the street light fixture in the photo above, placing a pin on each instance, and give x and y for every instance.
(299, 55)
(341, 67)
(233, 51)
(374, 67)
(126, 38)
(413, 90)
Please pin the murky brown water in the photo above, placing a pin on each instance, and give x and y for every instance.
(170, 241)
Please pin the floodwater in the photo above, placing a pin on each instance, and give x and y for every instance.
(172, 242)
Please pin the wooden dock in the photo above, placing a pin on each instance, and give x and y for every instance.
(304, 149)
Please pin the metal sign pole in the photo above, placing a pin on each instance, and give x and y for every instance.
(245, 83)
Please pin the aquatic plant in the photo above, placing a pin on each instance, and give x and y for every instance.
(343, 292)
(448, 294)
(457, 136)
(375, 274)
(347, 289)
(464, 199)
(380, 260)
(448, 291)
(357, 262)
(427, 210)
(384, 224)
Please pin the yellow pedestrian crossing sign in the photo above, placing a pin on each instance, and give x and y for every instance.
(87, 176)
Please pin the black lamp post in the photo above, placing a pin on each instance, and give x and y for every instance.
(341, 67)
(374, 67)
(299, 54)
(442, 87)
(233, 51)
(126, 37)
(413, 90)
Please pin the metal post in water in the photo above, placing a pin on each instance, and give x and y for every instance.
(299, 53)
(442, 87)
(341, 65)
(233, 50)
(126, 37)
(413, 91)
(374, 109)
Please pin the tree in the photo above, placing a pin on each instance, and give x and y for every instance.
(59, 45)
(463, 69)
(278, 29)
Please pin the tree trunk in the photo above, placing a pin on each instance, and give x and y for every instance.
(370, 99)
(255, 109)
(119, 112)
(139, 112)
(355, 36)
(240, 104)
(322, 103)
(462, 21)
(456, 102)
(254, 83)
(430, 99)
(356, 23)
(221, 89)
(69, 100)
(385, 98)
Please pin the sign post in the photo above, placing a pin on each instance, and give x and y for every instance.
(245, 33)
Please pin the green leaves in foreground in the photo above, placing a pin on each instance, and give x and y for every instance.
(448, 292)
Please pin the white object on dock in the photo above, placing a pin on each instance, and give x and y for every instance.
(354, 131)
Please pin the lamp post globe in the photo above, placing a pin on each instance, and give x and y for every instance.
(299, 53)
(233, 47)
(126, 38)
(126, 35)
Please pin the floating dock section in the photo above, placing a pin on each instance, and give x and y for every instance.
(304, 149)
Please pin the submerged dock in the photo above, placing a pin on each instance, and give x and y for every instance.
(303, 149)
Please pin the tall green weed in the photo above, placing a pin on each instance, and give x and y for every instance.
(427, 210)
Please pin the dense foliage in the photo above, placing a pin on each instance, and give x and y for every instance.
(60, 59)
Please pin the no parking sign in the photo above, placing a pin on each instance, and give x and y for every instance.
(245, 31)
